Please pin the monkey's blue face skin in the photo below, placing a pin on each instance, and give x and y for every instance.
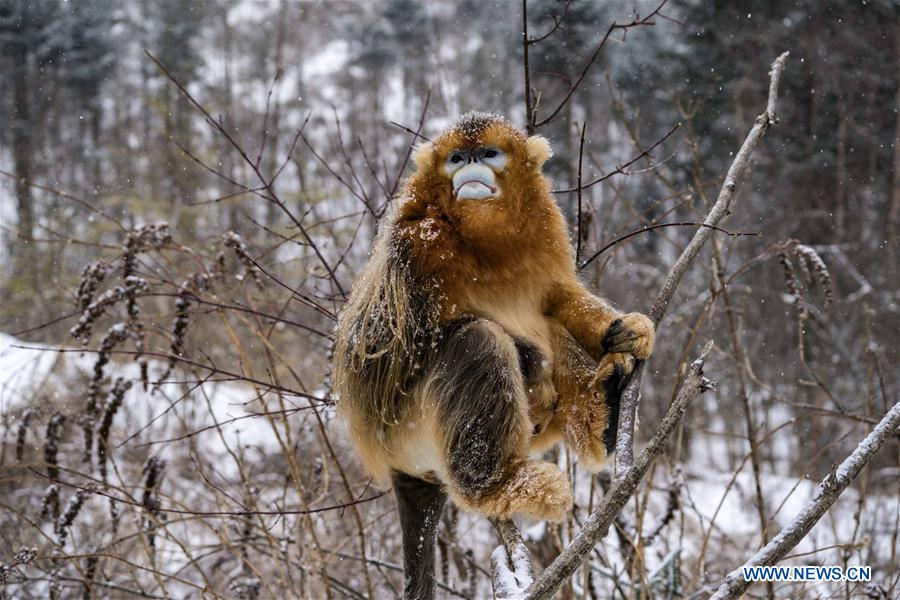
(474, 172)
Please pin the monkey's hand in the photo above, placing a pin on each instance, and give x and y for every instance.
(633, 333)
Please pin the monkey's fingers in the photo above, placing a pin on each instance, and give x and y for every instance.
(632, 333)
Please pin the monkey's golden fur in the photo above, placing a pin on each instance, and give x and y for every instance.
(451, 278)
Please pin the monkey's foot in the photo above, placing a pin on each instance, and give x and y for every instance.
(633, 333)
(534, 488)
(590, 428)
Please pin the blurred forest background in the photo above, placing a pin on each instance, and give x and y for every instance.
(193, 263)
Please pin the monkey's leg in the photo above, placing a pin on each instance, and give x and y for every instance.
(537, 375)
(478, 389)
(589, 394)
(420, 504)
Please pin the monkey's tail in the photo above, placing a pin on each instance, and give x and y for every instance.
(420, 504)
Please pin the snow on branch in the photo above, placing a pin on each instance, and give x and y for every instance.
(829, 489)
(512, 572)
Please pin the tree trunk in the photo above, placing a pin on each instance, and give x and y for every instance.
(22, 129)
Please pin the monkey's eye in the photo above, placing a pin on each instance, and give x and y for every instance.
(456, 158)
(493, 157)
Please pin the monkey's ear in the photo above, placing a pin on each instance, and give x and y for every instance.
(423, 156)
(538, 149)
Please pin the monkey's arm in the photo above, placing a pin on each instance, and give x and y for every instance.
(598, 327)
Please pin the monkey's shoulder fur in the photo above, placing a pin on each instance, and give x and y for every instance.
(468, 342)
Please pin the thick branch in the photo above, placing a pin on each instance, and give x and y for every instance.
(628, 406)
(622, 487)
(829, 489)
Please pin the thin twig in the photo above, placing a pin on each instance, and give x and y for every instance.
(409, 149)
(621, 169)
(578, 188)
(266, 183)
(647, 228)
(637, 22)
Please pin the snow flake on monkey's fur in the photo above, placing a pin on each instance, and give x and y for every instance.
(472, 124)
(428, 230)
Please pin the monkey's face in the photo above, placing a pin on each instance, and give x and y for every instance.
(484, 175)
(474, 172)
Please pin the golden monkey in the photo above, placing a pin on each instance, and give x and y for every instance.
(468, 342)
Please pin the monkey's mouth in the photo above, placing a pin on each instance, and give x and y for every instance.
(474, 189)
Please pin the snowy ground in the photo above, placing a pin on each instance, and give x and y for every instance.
(718, 516)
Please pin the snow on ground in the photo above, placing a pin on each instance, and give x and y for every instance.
(155, 422)
(29, 371)
(715, 502)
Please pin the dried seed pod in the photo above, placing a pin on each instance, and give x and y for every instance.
(114, 515)
(246, 588)
(22, 558)
(50, 502)
(802, 263)
(808, 256)
(232, 240)
(116, 335)
(25, 556)
(90, 571)
(55, 590)
(51, 444)
(91, 278)
(22, 432)
(113, 402)
(150, 501)
(133, 286)
(791, 281)
(152, 236)
(64, 522)
(182, 306)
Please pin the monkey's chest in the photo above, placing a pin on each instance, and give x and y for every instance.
(518, 313)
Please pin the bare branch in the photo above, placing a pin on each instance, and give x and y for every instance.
(621, 169)
(266, 183)
(64, 196)
(637, 22)
(647, 228)
(829, 490)
(92, 488)
(557, 23)
(416, 134)
(628, 406)
(529, 109)
(412, 131)
(578, 187)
